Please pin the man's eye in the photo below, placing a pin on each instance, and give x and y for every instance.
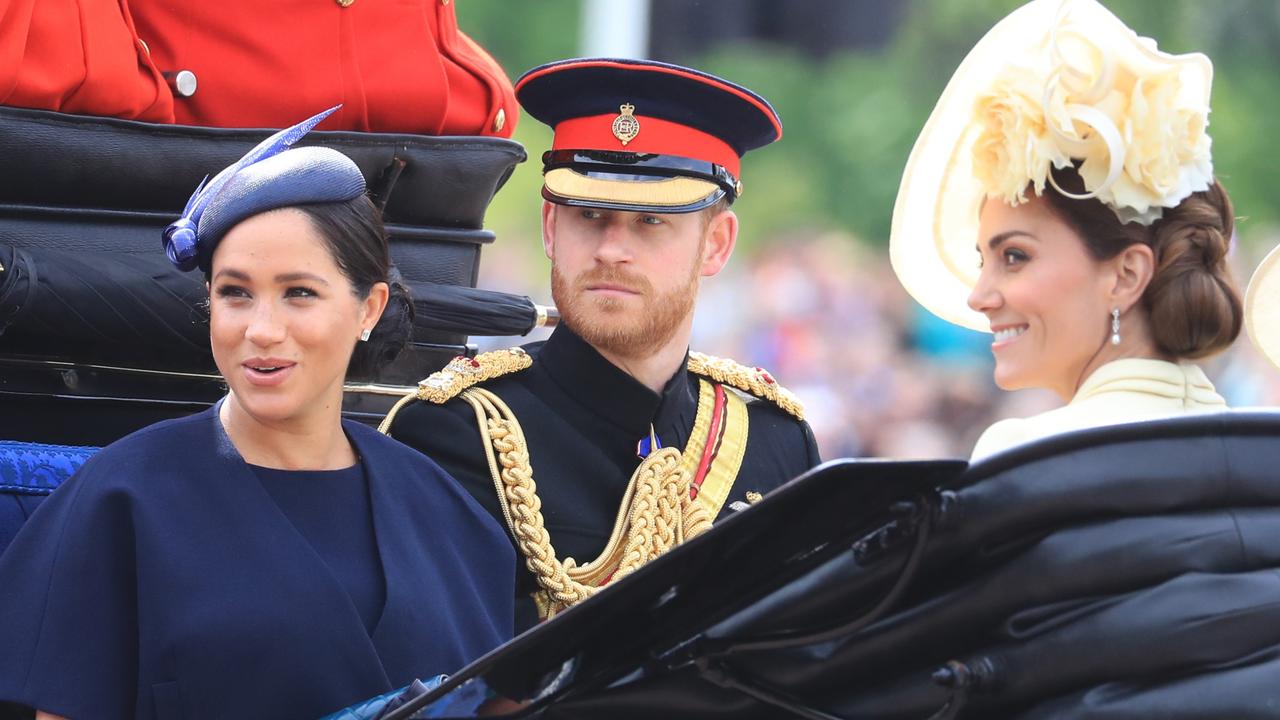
(589, 214)
(650, 219)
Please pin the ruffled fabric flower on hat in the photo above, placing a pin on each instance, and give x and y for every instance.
(1093, 92)
(1016, 147)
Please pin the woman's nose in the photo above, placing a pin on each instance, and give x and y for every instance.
(984, 297)
(265, 327)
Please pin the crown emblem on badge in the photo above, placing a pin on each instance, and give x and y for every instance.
(626, 127)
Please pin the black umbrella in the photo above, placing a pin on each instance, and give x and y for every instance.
(99, 299)
(471, 311)
(119, 301)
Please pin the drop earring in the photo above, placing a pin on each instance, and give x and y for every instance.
(1115, 326)
(364, 334)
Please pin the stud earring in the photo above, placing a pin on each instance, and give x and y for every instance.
(364, 334)
(1115, 326)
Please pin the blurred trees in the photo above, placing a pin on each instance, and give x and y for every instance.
(851, 117)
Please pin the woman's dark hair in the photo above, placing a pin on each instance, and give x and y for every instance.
(354, 234)
(1192, 302)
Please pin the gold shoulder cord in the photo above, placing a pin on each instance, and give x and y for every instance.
(655, 515)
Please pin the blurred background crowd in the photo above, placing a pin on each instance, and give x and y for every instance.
(810, 294)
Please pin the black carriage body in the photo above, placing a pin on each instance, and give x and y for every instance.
(1126, 571)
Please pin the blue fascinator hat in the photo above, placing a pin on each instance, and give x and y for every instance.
(268, 177)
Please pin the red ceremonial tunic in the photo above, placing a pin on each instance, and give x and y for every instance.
(394, 66)
(78, 56)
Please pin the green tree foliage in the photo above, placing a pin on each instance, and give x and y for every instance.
(850, 120)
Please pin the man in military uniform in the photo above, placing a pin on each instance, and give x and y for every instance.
(610, 443)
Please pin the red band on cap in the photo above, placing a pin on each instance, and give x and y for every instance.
(660, 137)
(664, 69)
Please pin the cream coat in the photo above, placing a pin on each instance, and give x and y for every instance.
(1121, 391)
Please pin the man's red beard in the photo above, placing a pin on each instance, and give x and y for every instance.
(605, 322)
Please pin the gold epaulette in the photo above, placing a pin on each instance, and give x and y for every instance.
(461, 373)
(755, 381)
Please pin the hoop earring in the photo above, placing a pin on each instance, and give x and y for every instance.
(364, 335)
(1115, 326)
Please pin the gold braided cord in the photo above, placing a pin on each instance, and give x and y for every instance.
(518, 492)
(384, 427)
(489, 427)
(756, 381)
(656, 513)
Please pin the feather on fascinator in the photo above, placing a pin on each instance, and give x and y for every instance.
(268, 177)
(1054, 84)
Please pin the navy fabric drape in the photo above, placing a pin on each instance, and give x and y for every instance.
(162, 582)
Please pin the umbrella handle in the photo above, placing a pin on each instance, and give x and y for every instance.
(548, 315)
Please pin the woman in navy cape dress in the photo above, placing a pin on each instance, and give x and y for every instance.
(203, 568)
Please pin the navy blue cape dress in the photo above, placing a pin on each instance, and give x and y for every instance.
(162, 581)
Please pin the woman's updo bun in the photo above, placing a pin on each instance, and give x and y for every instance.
(1194, 307)
(390, 336)
(1192, 302)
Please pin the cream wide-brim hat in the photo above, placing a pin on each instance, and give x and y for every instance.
(934, 235)
(1262, 307)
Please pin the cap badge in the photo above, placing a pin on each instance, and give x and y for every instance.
(626, 127)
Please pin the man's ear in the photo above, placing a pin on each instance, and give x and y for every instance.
(1134, 267)
(549, 229)
(721, 238)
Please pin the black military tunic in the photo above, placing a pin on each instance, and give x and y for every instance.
(583, 417)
